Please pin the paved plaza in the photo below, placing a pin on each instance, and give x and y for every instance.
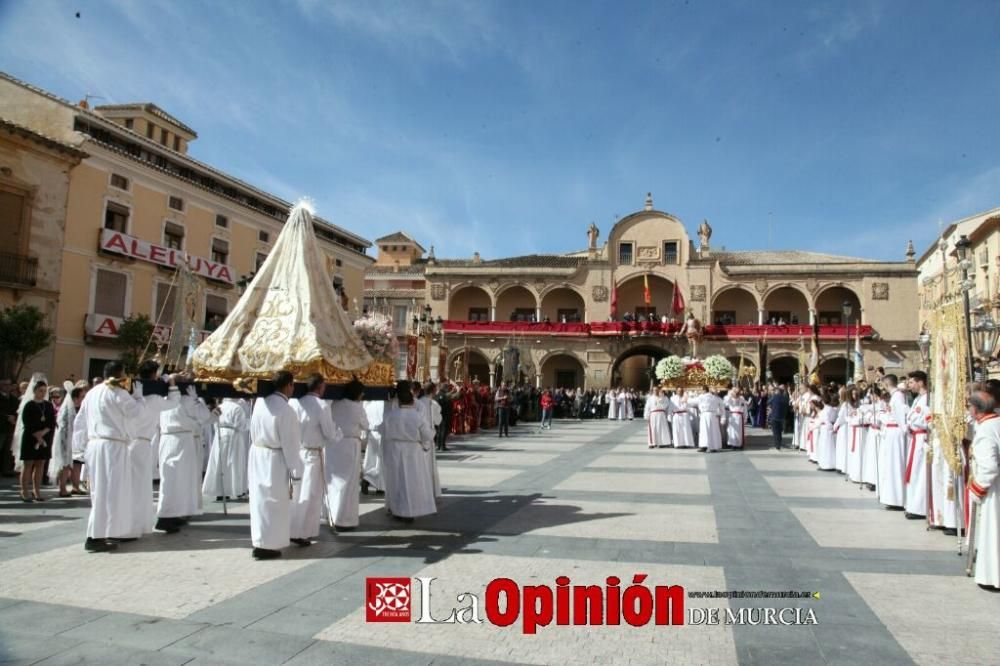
(587, 500)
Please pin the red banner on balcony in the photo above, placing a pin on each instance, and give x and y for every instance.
(411, 356)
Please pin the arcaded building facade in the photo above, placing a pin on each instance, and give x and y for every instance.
(564, 313)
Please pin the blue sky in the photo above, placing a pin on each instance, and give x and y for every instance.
(507, 127)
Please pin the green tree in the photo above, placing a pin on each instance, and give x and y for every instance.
(23, 336)
(134, 335)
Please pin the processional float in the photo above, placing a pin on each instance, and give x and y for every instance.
(288, 318)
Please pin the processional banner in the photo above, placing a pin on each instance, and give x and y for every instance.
(411, 356)
(949, 360)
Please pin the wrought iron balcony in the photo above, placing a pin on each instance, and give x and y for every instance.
(16, 269)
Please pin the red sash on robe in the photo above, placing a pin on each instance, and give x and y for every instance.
(913, 452)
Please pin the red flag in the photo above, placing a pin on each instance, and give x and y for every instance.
(645, 290)
(677, 306)
(614, 301)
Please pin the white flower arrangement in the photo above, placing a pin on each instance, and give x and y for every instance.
(378, 336)
(719, 368)
(671, 367)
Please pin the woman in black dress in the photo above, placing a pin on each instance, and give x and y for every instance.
(39, 421)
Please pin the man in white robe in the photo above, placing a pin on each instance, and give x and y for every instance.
(984, 488)
(317, 431)
(612, 398)
(224, 477)
(683, 435)
(371, 467)
(709, 425)
(180, 464)
(915, 475)
(343, 457)
(406, 435)
(432, 411)
(274, 464)
(140, 449)
(103, 423)
(659, 420)
(736, 419)
(650, 401)
(892, 448)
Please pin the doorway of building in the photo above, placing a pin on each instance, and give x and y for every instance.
(634, 367)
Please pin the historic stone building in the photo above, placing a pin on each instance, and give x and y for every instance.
(118, 203)
(564, 313)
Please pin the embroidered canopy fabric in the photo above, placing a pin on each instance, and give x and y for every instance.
(289, 318)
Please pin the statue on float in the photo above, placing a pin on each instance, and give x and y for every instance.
(692, 330)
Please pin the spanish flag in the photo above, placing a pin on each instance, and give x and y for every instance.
(645, 290)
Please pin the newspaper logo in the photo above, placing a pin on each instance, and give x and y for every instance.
(388, 599)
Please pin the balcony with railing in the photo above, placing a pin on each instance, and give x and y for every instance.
(18, 270)
(650, 329)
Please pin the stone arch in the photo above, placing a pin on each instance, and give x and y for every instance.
(788, 301)
(829, 301)
(729, 303)
(783, 367)
(562, 369)
(464, 302)
(625, 372)
(516, 299)
(631, 299)
(478, 365)
(561, 298)
(832, 368)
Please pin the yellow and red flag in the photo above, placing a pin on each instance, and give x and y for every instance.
(645, 290)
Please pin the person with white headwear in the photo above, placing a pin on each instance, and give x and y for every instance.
(26, 397)
(318, 431)
(406, 436)
(104, 422)
(371, 469)
(223, 477)
(180, 464)
(62, 446)
(274, 464)
(38, 422)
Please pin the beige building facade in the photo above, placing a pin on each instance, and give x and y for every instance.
(564, 312)
(34, 190)
(135, 206)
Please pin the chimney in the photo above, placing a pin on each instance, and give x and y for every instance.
(476, 259)
(910, 252)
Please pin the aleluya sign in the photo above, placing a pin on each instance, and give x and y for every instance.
(119, 243)
(105, 326)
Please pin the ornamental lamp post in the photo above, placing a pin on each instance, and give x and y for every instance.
(985, 335)
(846, 309)
(924, 344)
(962, 247)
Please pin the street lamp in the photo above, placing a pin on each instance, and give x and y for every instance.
(846, 309)
(924, 344)
(985, 335)
(962, 246)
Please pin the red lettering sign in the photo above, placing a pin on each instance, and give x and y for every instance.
(119, 243)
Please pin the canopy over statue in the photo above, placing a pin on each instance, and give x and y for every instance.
(289, 318)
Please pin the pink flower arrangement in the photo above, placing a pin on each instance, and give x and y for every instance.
(378, 336)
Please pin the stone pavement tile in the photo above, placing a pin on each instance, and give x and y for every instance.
(488, 458)
(612, 520)
(95, 653)
(135, 631)
(823, 484)
(655, 460)
(294, 621)
(853, 644)
(204, 570)
(44, 619)
(659, 483)
(781, 464)
(766, 645)
(4, 602)
(874, 530)
(464, 476)
(323, 653)
(20, 521)
(937, 619)
(17, 647)
(239, 645)
(553, 644)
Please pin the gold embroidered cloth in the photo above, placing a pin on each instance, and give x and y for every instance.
(289, 318)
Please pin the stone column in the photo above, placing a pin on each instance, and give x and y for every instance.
(493, 378)
(812, 317)
(538, 380)
(760, 316)
(538, 313)
(493, 313)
